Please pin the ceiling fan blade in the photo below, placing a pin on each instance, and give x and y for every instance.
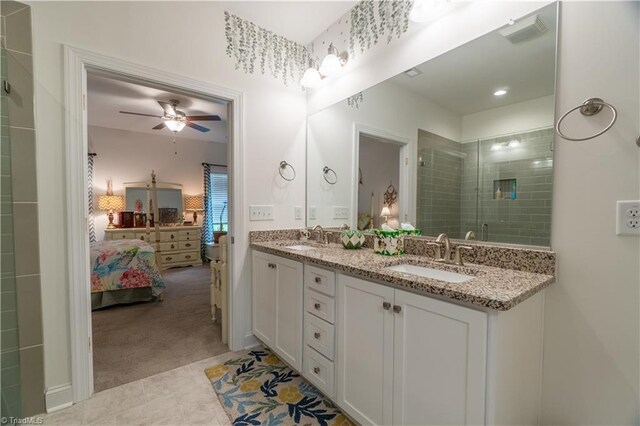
(168, 108)
(137, 113)
(159, 126)
(203, 118)
(197, 127)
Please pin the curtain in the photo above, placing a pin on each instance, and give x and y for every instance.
(207, 224)
(92, 225)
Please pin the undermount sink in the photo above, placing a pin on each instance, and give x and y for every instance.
(300, 247)
(436, 274)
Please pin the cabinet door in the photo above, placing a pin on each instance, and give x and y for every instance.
(264, 298)
(289, 307)
(364, 356)
(439, 362)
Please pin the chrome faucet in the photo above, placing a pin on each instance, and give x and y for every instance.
(446, 258)
(444, 239)
(457, 257)
(322, 237)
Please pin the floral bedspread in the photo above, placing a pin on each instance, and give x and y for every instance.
(123, 264)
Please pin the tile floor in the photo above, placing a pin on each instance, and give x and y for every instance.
(182, 396)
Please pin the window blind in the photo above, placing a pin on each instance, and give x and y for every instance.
(219, 198)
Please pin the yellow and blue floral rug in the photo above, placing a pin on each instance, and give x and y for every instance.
(257, 388)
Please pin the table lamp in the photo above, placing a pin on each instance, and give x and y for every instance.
(385, 213)
(111, 203)
(194, 203)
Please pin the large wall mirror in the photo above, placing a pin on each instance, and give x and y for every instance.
(465, 141)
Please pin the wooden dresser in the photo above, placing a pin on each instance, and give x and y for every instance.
(179, 245)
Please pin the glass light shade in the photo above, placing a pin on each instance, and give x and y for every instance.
(311, 78)
(111, 202)
(175, 125)
(428, 10)
(385, 212)
(194, 202)
(330, 65)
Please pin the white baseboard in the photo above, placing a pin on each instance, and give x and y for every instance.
(58, 397)
(250, 341)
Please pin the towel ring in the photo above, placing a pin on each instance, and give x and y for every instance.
(588, 108)
(326, 171)
(283, 166)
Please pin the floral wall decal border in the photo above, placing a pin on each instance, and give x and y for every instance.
(371, 20)
(255, 47)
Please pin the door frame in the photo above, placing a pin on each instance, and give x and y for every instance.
(77, 62)
(407, 184)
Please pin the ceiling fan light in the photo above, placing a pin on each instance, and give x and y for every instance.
(311, 78)
(174, 125)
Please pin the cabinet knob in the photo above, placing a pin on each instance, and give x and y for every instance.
(318, 280)
(316, 370)
(169, 258)
(317, 306)
(172, 246)
(316, 335)
(386, 306)
(187, 256)
(397, 309)
(172, 236)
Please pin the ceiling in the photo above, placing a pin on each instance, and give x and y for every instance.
(464, 79)
(301, 21)
(107, 96)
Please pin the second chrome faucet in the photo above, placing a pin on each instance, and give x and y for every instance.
(443, 240)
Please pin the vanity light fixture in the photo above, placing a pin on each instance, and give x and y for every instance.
(175, 124)
(514, 143)
(500, 92)
(332, 63)
(311, 77)
(429, 10)
(497, 147)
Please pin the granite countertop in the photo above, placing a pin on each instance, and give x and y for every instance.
(495, 288)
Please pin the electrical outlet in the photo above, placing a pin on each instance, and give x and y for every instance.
(312, 213)
(628, 218)
(340, 212)
(260, 213)
(297, 213)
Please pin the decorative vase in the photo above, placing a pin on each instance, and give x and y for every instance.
(352, 239)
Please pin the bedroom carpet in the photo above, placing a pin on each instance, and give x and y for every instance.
(134, 341)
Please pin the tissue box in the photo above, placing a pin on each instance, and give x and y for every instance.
(388, 243)
(411, 232)
(352, 239)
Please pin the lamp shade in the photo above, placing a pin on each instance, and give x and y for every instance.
(385, 212)
(194, 202)
(111, 202)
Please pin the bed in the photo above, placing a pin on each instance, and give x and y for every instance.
(124, 271)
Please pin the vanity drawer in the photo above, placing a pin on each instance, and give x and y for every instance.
(189, 235)
(169, 236)
(319, 305)
(318, 370)
(320, 280)
(188, 245)
(319, 335)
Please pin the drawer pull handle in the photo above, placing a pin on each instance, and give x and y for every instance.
(187, 256)
(316, 335)
(318, 280)
(169, 258)
(316, 370)
(172, 236)
(272, 265)
(187, 245)
(172, 246)
(317, 306)
(397, 309)
(386, 306)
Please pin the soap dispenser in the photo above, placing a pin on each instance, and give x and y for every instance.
(498, 194)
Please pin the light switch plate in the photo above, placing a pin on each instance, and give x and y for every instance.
(628, 218)
(340, 212)
(297, 213)
(312, 213)
(260, 213)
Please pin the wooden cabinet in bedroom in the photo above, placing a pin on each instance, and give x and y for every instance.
(179, 245)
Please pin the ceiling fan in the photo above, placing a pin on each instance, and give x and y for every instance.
(176, 120)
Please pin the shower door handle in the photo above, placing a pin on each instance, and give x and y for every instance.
(485, 232)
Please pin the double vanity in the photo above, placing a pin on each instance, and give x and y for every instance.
(404, 339)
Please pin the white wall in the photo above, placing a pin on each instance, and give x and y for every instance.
(592, 321)
(380, 165)
(126, 156)
(515, 118)
(274, 127)
(592, 318)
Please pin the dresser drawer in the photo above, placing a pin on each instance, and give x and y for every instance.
(319, 335)
(173, 246)
(179, 257)
(188, 245)
(169, 236)
(189, 235)
(319, 279)
(124, 235)
(189, 257)
(319, 305)
(318, 370)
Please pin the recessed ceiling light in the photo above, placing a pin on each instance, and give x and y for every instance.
(500, 92)
(413, 72)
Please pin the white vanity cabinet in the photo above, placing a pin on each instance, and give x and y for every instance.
(277, 305)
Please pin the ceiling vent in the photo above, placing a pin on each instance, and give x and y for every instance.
(524, 30)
